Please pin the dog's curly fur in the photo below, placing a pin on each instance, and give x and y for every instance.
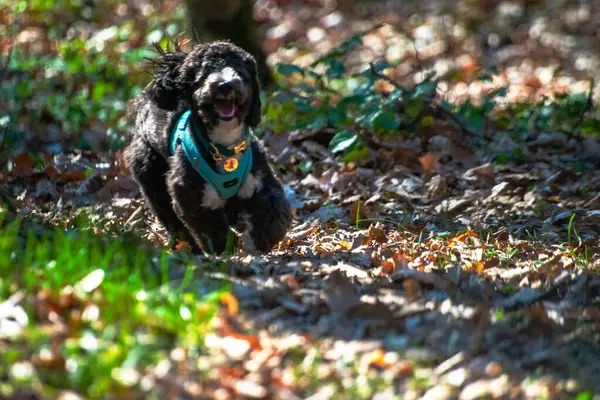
(185, 204)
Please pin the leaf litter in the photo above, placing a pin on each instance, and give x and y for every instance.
(449, 272)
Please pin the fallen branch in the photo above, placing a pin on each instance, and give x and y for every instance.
(435, 106)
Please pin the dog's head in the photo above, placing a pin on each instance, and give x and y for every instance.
(218, 81)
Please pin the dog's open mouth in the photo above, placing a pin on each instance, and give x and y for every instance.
(225, 109)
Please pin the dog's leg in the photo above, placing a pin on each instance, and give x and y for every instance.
(198, 205)
(267, 215)
(149, 169)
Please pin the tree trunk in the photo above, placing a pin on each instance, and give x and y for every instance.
(228, 19)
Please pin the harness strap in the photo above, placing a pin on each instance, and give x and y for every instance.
(227, 184)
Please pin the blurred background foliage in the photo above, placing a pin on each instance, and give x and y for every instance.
(68, 67)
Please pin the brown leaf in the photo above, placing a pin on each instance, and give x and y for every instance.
(376, 359)
(377, 233)
(464, 155)
(412, 288)
(340, 295)
(437, 187)
(397, 262)
(483, 174)
(474, 266)
(430, 163)
(539, 323)
(361, 213)
(303, 234)
(389, 266)
(124, 186)
(22, 165)
(345, 245)
(230, 302)
(278, 143)
(462, 238)
(72, 176)
(291, 281)
(421, 277)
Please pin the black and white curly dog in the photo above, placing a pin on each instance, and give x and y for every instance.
(215, 174)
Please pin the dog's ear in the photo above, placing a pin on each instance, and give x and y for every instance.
(165, 87)
(254, 116)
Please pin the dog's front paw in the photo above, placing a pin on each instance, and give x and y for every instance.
(266, 227)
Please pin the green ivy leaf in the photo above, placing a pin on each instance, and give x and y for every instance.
(584, 396)
(500, 92)
(589, 127)
(347, 101)
(361, 153)
(414, 107)
(493, 69)
(336, 115)
(351, 44)
(303, 104)
(485, 78)
(380, 66)
(384, 120)
(306, 87)
(336, 69)
(288, 69)
(319, 123)
(427, 88)
(427, 121)
(342, 141)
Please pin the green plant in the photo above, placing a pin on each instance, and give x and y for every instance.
(571, 228)
(327, 95)
(123, 312)
(76, 88)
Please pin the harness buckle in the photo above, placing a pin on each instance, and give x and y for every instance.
(239, 147)
(214, 152)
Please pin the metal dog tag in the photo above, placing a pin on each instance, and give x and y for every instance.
(230, 164)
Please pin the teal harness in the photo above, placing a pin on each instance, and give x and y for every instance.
(226, 183)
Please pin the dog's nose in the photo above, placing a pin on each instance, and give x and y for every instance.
(226, 85)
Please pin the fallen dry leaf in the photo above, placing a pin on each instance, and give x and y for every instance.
(340, 295)
(230, 302)
(430, 163)
(22, 165)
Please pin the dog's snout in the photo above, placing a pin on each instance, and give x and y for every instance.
(225, 85)
(230, 87)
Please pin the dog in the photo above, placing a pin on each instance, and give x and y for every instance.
(199, 167)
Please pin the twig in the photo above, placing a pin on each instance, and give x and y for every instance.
(386, 78)
(337, 52)
(4, 70)
(427, 101)
(588, 106)
(386, 146)
(3, 142)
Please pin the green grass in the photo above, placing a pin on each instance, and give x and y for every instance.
(102, 309)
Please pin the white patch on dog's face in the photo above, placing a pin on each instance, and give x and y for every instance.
(226, 90)
(251, 185)
(229, 74)
(211, 198)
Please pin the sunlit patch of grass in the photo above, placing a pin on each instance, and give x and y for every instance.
(94, 314)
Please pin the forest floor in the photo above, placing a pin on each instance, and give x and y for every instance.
(434, 269)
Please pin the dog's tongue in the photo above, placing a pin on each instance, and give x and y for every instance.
(226, 110)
